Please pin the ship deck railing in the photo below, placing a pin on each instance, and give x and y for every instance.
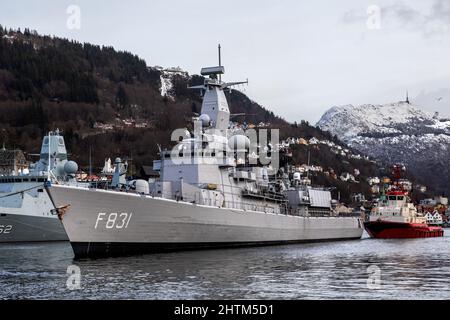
(281, 208)
(270, 207)
(236, 205)
(269, 196)
(24, 178)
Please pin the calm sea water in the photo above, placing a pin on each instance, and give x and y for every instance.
(407, 269)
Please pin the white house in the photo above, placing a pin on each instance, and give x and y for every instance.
(434, 218)
(373, 180)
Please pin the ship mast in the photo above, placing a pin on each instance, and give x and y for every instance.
(215, 105)
(220, 62)
(48, 167)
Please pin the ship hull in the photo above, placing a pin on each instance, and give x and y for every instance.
(25, 214)
(29, 228)
(107, 223)
(111, 249)
(399, 230)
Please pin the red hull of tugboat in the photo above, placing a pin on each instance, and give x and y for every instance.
(399, 230)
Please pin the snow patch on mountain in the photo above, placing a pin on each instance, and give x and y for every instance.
(396, 132)
(166, 79)
(166, 85)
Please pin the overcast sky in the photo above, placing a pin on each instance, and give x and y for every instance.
(301, 57)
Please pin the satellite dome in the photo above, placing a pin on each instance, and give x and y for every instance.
(205, 120)
(71, 167)
(239, 143)
(142, 186)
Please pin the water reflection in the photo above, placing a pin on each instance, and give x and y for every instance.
(410, 269)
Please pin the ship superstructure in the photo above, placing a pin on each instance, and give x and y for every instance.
(25, 208)
(395, 216)
(214, 190)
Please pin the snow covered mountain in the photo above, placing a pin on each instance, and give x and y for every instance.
(396, 132)
(166, 78)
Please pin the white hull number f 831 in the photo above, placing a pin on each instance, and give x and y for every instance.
(113, 220)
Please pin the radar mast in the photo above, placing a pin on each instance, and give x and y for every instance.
(215, 104)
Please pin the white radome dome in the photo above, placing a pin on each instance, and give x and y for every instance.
(205, 120)
(70, 167)
(239, 143)
(142, 186)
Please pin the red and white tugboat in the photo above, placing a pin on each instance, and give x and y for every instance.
(396, 216)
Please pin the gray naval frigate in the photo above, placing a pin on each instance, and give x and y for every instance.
(25, 207)
(209, 194)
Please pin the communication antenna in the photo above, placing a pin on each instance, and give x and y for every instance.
(48, 167)
(309, 162)
(215, 74)
(220, 62)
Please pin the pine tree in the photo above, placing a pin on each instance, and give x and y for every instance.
(121, 96)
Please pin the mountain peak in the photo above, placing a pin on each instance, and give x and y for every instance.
(348, 121)
(395, 132)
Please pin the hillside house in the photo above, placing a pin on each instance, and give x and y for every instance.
(12, 162)
(434, 218)
(373, 180)
(346, 177)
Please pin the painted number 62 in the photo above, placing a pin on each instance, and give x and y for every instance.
(5, 229)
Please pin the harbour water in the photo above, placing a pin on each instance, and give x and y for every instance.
(396, 269)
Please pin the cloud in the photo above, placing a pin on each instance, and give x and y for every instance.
(354, 16)
(408, 16)
(438, 21)
(430, 23)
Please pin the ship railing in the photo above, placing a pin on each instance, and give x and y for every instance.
(264, 195)
(248, 206)
(321, 212)
(237, 205)
(279, 208)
